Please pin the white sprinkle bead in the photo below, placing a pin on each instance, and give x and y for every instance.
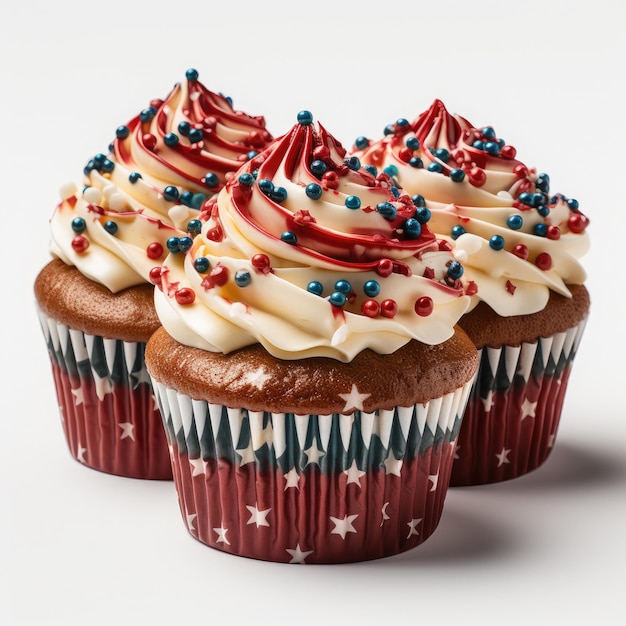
(92, 195)
(117, 202)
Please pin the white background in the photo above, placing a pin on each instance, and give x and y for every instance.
(81, 547)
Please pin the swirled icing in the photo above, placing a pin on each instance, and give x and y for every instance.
(309, 254)
(515, 240)
(162, 167)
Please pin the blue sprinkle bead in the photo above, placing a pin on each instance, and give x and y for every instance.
(313, 191)
(422, 215)
(412, 228)
(242, 278)
(353, 163)
(488, 132)
(192, 75)
(171, 139)
(538, 199)
(251, 154)
(395, 191)
(435, 167)
(107, 166)
(337, 298)
(318, 167)
(289, 237)
(278, 194)
(201, 264)
(147, 114)
(457, 175)
(478, 144)
(353, 202)
(197, 200)
(416, 162)
(412, 143)
(491, 147)
(440, 153)
(122, 132)
(184, 128)
(99, 159)
(496, 242)
(543, 210)
(391, 170)
(172, 245)
(315, 287)
(388, 130)
(540, 230)
(457, 231)
(91, 165)
(171, 193)
(211, 180)
(387, 210)
(572, 204)
(266, 186)
(111, 227)
(371, 169)
(78, 225)
(194, 227)
(133, 177)
(305, 118)
(361, 143)
(184, 243)
(455, 270)
(343, 286)
(543, 183)
(402, 122)
(195, 135)
(246, 179)
(186, 198)
(371, 288)
(515, 222)
(418, 201)
(526, 198)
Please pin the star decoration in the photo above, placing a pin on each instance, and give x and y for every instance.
(246, 454)
(354, 399)
(127, 430)
(103, 387)
(292, 479)
(221, 535)
(141, 376)
(298, 555)
(413, 527)
(528, 408)
(190, 520)
(456, 451)
(354, 474)
(393, 465)
(384, 513)
(434, 479)
(198, 465)
(503, 457)
(258, 517)
(551, 439)
(313, 455)
(80, 453)
(78, 396)
(343, 526)
(488, 401)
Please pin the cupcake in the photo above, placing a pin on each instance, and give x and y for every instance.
(520, 246)
(95, 298)
(309, 371)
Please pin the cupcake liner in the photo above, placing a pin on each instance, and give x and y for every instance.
(107, 408)
(311, 488)
(513, 413)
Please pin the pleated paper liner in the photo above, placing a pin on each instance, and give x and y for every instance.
(311, 488)
(106, 403)
(512, 416)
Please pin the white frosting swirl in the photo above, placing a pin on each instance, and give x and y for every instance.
(283, 223)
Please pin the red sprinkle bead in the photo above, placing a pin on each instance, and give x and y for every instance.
(553, 232)
(209, 122)
(384, 267)
(424, 306)
(577, 222)
(321, 152)
(471, 289)
(405, 154)
(215, 234)
(477, 177)
(185, 296)
(331, 180)
(371, 308)
(261, 263)
(155, 276)
(508, 152)
(149, 141)
(520, 170)
(388, 308)
(543, 261)
(154, 250)
(521, 251)
(80, 243)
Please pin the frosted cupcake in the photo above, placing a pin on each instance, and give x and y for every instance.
(520, 246)
(95, 297)
(309, 372)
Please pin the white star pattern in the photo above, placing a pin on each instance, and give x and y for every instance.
(221, 535)
(528, 408)
(456, 451)
(393, 465)
(78, 396)
(503, 457)
(488, 401)
(354, 399)
(127, 430)
(61, 414)
(80, 453)
(258, 517)
(343, 526)
(198, 465)
(434, 479)
(298, 555)
(412, 527)
(354, 474)
(140, 377)
(103, 387)
(292, 479)
(190, 520)
(247, 454)
(551, 439)
(384, 513)
(313, 455)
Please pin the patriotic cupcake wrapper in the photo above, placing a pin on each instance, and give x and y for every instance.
(311, 488)
(512, 416)
(106, 405)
